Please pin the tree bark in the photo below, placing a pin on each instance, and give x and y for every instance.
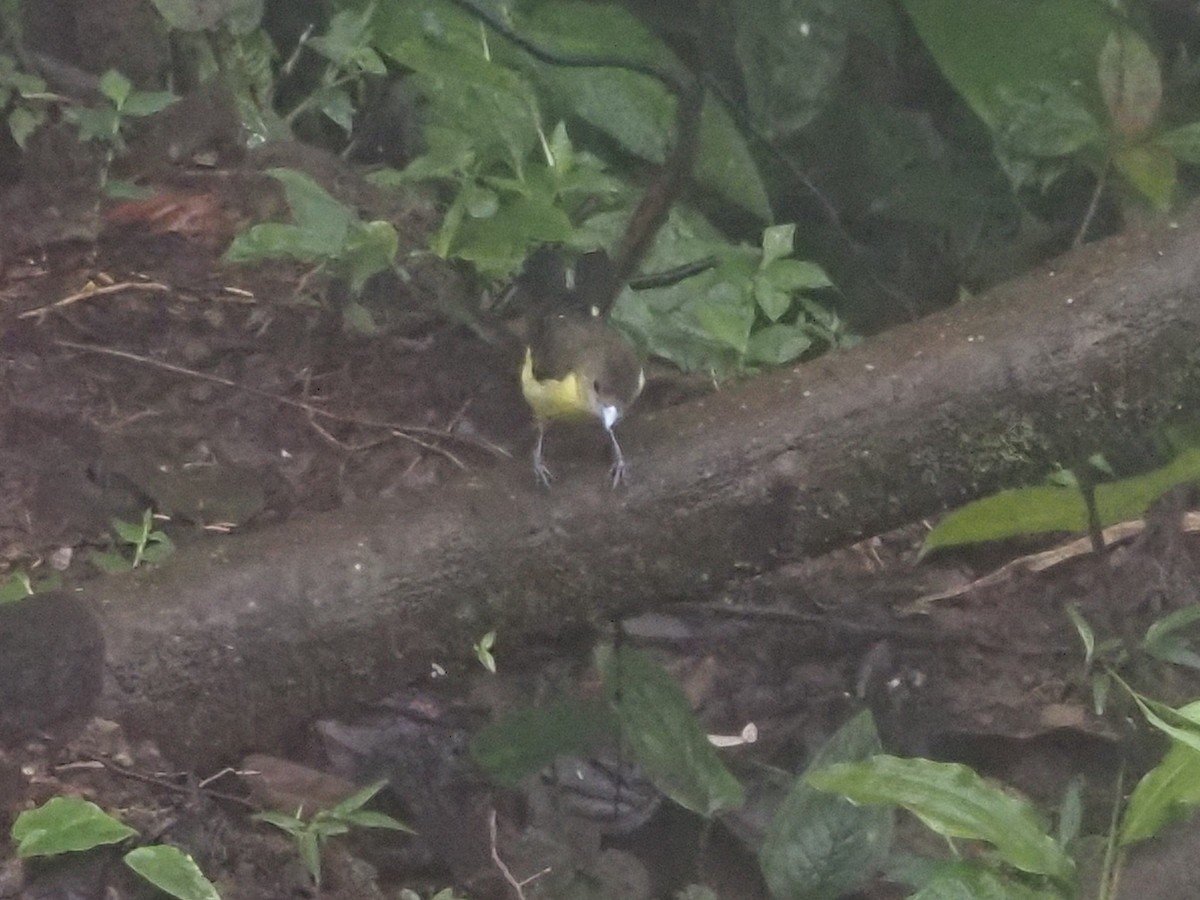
(238, 639)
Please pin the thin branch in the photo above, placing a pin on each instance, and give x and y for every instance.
(406, 432)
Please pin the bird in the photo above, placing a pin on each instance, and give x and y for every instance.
(578, 366)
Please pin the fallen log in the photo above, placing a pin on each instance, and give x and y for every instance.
(236, 640)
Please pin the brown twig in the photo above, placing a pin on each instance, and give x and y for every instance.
(92, 291)
(172, 786)
(406, 432)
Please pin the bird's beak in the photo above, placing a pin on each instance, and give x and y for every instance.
(609, 415)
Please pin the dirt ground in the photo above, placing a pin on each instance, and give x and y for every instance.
(139, 371)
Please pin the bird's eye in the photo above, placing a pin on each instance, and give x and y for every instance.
(596, 385)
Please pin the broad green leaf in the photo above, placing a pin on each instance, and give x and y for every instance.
(1019, 511)
(956, 803)
(725, 164)
(1130, 81)
(1166, 793)
(1035, 510)
(820, 845)
(1183, 142)
(775, 345)
(65, 825)
(336, 105)
(171, 870)
(790, 52)
(525, 741)
(663, 734)
(1151, 171)
(1022, 64)
(971, 881)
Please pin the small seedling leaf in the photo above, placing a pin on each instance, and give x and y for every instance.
(366, 818)
(64, 825)
(956, 803)
(171, 870)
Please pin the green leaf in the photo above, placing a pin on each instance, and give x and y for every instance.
(147, 103)
(348, 33)
(357, 800)
(1130, 81)
(282, 821)
(110, 563)
(310, 853)
(725, 315)
(116, 87)
(525, 741)
(323, 219)
(1019, 511)
(1151, 171)
(778, 241)
(956, 803)
(1035, 510)
(171, 870)
(336, 105)
(65, 825)
(119, 189)
(1022, 65)
(366, 818)
(822, 846)
(1166, 793)
(1183, 142)
(796, 275)
(1182, 725)
(130, 532)
(22, 122)
(17, 586)
(725, 164)
(370, 249)
(663, 734)
(775, 345)
(971, 881)
(1164, 641)
(774, 302)
(790, 53)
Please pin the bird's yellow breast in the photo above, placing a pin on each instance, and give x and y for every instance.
(551, 398)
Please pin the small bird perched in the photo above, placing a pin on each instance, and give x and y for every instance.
(578, 367)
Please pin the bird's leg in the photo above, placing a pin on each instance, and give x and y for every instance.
(618, 464)
(540, 472)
